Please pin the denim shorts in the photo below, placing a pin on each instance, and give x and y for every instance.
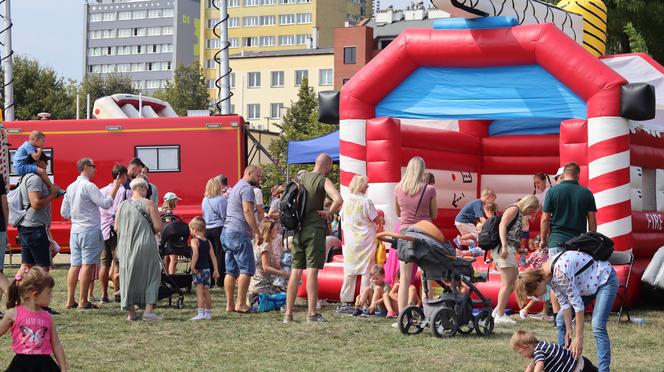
(24, 168)
(203, 278)
(35, 246)
(85, 247)
(239, 253)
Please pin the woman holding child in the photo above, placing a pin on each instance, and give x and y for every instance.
(415, 202)
(136, 222)
(358, 219)
(504, 255)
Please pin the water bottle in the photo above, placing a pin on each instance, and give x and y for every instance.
(638, 321)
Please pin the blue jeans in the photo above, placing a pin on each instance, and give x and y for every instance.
(604, 298)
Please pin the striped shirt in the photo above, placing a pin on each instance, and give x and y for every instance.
(555, 357)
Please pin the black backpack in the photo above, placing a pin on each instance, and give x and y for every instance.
(594, 244)
(489, 236)
(292, 206)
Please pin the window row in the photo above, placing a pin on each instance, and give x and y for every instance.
(109, 68)
(129, 14)
(261, 41)
(254, 111)
(277, 78)
(149, 84)
(266, 20)
(249, 3)
(130, 32)
(130, 49)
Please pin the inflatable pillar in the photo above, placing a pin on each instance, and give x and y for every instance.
(352, 152)
(574, 146)
(383, 163)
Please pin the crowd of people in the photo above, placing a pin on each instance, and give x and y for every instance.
(239, 245)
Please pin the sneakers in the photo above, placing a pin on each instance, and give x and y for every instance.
(476, 251)
(151, 316)
(346, 309)
(505, 320)
(457, 241)
(523, 314)
(358, 311)
(391, 315)
(315, 318)
(200, 315)
(208, 314)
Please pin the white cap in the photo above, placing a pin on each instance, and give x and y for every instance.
(171, 196)
(560, 171)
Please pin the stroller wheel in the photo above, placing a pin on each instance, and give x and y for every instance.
(483, 323)
(180, 302)
(445, 323)
(411, 321)
(466, 329)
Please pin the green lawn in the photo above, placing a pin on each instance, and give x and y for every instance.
(104, 340)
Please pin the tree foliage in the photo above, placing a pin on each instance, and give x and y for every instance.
(300, 122)
(187, 90)
(98, 86)
(39, 89)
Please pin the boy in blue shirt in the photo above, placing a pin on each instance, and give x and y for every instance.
(25, 158)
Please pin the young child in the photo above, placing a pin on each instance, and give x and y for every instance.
(370, 299)
(28, 154)
(535, 261)
(489, 211)
(285, 259)
(202, 260)
(547, 356)
(391, 298)
(170, 203)
(34, 337)
(268, 262)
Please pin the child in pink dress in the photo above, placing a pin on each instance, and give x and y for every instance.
(34, 337)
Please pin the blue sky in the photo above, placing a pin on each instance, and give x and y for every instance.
(51, 31)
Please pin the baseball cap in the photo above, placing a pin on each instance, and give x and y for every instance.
(171, 196)
(560, 171)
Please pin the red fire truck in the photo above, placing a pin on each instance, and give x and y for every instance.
(182, 153)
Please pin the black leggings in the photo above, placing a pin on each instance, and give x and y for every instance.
(214, 236)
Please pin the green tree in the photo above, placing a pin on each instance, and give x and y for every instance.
(300, 122)
(98, 86)
(39, 89)
(187, 91)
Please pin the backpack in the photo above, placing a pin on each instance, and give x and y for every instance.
(17, 206)
(489, 237)
(596, 245)
(292, 206)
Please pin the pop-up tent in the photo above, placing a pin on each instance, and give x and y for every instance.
(305, 152)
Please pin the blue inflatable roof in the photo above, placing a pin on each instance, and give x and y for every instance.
(520, 99)
(305, 152)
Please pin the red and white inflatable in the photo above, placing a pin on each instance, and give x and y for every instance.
(437, 93)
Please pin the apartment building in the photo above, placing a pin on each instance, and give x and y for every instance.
(144, 39)
(264, 83)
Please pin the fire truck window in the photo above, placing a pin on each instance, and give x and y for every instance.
(160, 158)
(14, 177)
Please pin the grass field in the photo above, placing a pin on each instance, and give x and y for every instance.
(102, 340)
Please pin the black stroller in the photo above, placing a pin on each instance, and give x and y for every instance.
(454, 310)
(174, 238)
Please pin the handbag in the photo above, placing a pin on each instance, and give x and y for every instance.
(381, 253)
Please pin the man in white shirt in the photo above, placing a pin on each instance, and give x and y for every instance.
(81, 205)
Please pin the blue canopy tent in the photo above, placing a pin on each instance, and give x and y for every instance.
(305, 152)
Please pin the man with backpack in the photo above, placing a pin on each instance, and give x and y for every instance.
(569, 211)
(309, 240)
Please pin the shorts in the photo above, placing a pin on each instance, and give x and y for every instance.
(108, 255)
(36, 362)
(239, 256)
(466, 228)
(35, 246)
(525, 235)
(85, 247)
(3, 248)
(24, 168)
(308, 249)
(203, 278)
(504, 263)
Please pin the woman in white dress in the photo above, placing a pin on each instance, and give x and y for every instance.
(358, 217)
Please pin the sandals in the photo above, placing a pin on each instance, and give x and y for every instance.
(151, 316)
(89, 306)
(73, 306)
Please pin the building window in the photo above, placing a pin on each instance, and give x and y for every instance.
(124, 16)
(154, 13)
(160, 158)
(211, 84)
(232, 22)
(253, 111)
(277, 79)
(344, 81)
(166, 48)
(154, 31)
(232, 82)
(302, 39)
(275, 110)
(212, 43)
(12, 172)
(252, 2)
(167, 30)
(123, 67)
(325, 76)
(137, 67)
(254, 79)
(287, 40)
(139, 14)
(267, 41)
(349, 55)
(267, 20)
(166, 13)
(124, 32)
(303, 17)
(107, 17)
(250, 41)
(210, 63)
(299, 76)
(235, 42)
(267, 2)
(139, 31)
(233, 3)
(95, 17)
(250, 21)
(287, 19)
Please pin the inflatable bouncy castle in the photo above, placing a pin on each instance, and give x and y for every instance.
(489, 103)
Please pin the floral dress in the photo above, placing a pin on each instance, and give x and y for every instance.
(359, 247)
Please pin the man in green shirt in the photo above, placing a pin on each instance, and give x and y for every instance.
(569, 211)
(309, 242)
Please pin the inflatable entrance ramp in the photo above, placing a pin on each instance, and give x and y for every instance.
(126, 106)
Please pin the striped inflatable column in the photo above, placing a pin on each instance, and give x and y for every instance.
(608, 173)
(352, 152)
(4, 160)
(384, 164)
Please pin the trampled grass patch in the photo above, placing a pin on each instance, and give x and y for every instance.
(102, 340)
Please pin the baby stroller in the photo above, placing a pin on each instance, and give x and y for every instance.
(174, 238)
(461, 307)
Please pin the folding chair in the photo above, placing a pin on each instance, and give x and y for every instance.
(623, 258)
